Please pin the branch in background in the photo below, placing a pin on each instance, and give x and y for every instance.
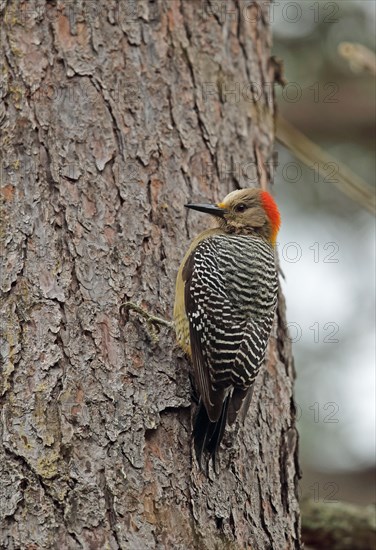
(359, 57)
(311, 154)
(338, 526)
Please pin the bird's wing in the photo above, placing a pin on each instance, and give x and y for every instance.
(215, 337)
(248, 361)
(227, 347)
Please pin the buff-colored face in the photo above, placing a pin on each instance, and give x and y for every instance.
(249, 211)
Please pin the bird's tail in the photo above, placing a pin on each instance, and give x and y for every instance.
(208, 435)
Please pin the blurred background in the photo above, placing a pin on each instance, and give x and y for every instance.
(327, 244)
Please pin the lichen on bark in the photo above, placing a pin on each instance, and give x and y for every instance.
(113, 115)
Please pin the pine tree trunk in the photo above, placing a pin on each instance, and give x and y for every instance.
(113, 116)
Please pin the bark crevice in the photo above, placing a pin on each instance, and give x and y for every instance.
(107, 133)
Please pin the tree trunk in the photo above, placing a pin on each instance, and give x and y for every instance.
(114, 115)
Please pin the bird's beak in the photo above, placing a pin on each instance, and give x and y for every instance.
(212, 209)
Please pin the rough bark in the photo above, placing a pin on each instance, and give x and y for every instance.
(113, 116)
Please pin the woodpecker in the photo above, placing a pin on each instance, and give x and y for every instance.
(225, 303)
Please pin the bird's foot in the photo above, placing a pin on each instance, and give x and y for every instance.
(151, 320)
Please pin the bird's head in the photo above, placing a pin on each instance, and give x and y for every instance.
(246, 211)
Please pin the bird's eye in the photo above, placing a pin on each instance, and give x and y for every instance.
(240, 207)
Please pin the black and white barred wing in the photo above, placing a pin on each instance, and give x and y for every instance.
(247, 363)
(206, 325)
(227, 347)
